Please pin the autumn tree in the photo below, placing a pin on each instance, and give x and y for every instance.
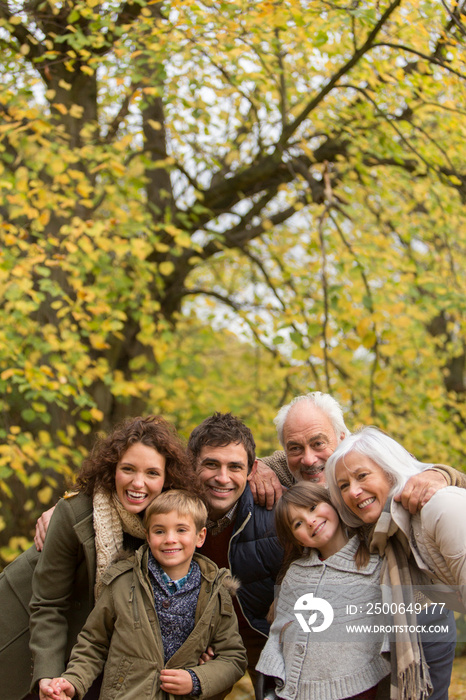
(297, 168)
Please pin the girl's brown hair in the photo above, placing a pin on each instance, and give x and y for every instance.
(305, 495)
(99, 467)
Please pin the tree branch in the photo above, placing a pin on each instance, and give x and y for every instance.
(22, 35)
(292, 127)
(426, 57)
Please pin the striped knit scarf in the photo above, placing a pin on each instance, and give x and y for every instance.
(410, 678)
(110, 521)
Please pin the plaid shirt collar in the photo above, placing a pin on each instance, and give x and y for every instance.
(158, 572)
(215, 527)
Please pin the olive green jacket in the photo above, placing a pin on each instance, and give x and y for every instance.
(59, 583)
(15, 657)
(62, 586)
(123, 633)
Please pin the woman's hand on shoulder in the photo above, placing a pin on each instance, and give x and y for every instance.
(41, 528)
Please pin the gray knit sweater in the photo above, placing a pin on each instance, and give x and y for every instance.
(331, 664)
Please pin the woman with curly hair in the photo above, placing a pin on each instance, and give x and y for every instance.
(89, 529)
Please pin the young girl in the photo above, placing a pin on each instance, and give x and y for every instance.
(323, 563)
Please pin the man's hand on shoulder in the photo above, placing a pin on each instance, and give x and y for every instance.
(265, 486)
(420, 488)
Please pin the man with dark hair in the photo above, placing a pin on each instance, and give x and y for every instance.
(240, 534)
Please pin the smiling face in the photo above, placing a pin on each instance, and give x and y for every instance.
(139, 477)
(319, 527)
(224, 473)
(172, 539)
(364, 486)
(309, 440)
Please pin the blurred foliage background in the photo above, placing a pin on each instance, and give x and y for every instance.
(218, 206)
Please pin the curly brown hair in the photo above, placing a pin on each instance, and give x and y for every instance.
(99, 467)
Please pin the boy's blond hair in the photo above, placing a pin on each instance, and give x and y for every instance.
(183, 502)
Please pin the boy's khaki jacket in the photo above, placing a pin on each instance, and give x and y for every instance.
(123, 633)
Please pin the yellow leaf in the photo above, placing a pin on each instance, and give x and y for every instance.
(140, 248)
(172, 230)
(35, 479)
(83, 189)
(410, 355)
(166, 268)
(118, 168)
(44, 218)
(352, 343)
(96, 414)
(60, 107)
(183, 240)
(45, 369)
(45, 495)
(75, 174)
(76, 111)
(98, 342)
(363, 326)
(231, 157)
(44, 437)
(369, 339)
(8, 373)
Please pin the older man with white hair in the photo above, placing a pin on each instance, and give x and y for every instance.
(310, 428)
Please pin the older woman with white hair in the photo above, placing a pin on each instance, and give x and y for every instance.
(364, 473)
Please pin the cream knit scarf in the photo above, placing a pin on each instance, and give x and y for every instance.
(410, 678)
(110, 521)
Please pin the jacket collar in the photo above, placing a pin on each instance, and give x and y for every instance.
(245, 505)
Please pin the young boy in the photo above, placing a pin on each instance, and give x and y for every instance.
(157, 614)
